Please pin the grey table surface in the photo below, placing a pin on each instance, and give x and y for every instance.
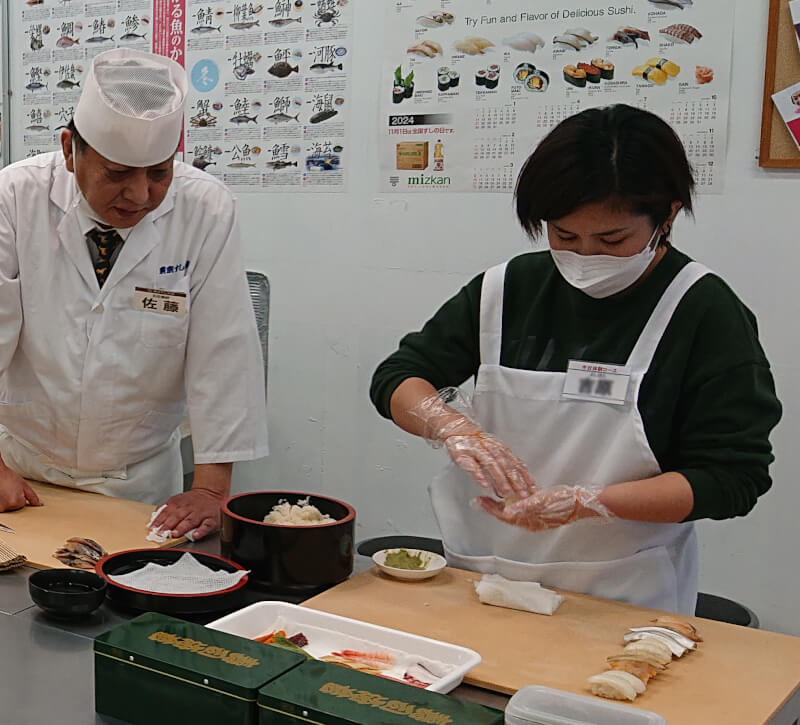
(47, 664)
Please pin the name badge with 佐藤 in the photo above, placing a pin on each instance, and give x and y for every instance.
(597, 382)
(164, 301)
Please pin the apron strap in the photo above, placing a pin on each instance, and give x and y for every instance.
(491, 321)
(642, 353)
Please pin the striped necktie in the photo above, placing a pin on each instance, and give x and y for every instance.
(107, 241)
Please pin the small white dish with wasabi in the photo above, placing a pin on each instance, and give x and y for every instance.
(412, 564)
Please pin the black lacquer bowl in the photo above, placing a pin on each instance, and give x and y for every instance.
(297, 560)
(67, 592)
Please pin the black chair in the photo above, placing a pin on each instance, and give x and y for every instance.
(368, 547)
(710, 606)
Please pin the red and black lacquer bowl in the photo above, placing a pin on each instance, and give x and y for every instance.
(296, 560)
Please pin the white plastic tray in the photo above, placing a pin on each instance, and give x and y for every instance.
(329, 632)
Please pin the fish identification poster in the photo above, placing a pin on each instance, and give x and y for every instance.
(269, 83)
(468, 88)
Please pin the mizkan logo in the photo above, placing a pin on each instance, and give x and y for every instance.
(429, 180)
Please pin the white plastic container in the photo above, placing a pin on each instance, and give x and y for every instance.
(332, 632)
(536, 705)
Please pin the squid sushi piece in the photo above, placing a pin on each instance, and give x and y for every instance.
(654, 75)
(616, 685)
(670, 68)
(573, 41)
(686, 629)
(583, 34)
(606, 69)
(592, 73)
(575, 76)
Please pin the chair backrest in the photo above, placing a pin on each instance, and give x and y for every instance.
(259, 296)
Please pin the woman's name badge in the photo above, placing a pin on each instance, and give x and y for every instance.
(164, 301)
(597, 382)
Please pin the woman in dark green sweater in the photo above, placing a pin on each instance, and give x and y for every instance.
(616, 381)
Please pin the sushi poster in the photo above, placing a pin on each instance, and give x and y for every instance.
(268, 102)
(787, 102)
(469, 88)
(794, 7)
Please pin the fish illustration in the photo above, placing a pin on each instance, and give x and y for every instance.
(134, 36)
(35, 85)
(244, 25)
(206, 29)
(241, 165)
(60, 127)
(66, 42)
(280, 22)
(323, 67)
(241, 118)
(323, 116)
(242, 71)
(338, 149)
(201, 162)
(100, 39)
(280, 164)
(67, 84)
(283, 69)
(37, 127)
(282, 118)
(34, 2)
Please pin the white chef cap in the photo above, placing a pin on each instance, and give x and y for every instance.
(131, 107)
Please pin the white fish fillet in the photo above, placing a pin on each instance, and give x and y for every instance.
(613, 688)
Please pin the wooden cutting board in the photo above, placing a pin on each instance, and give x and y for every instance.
(115, 523)
(737, 675)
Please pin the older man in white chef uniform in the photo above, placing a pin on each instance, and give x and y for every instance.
(123, 298)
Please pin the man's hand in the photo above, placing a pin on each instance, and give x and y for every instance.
(199, 508)
(15, 493)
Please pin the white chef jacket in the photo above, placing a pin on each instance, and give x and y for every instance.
(97, 383)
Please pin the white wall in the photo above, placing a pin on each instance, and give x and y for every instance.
(351, 273)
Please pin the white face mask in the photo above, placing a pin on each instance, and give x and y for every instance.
(603, 275)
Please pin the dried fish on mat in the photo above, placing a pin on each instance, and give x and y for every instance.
(9, 557)
(80, 553)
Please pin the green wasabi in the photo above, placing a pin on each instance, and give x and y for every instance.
(402, 559)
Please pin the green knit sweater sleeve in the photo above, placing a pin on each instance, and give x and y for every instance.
(726, 404)
(445, 352)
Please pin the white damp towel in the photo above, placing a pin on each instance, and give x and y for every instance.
(528, 596)
(185, 576)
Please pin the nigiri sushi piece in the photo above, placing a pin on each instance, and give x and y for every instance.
(670, 68)
(654, 665)
(473, 46)
(616, 685)
(575, 76)
(650, 648)
(482, 43)
(681, 32)
(685, 628)
(434, 20)
(583, 34)
(592, 72)
(681, 4)
(702, 74)
(645, 671)
(421, 49)
(674, 646)
(606, 69)
(528, 42)
(573, 41)
(682, 640)
(654, 75)
(625, 39)
(636, 33)
(434, 46)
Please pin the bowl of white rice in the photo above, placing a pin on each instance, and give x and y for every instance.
(292, 542)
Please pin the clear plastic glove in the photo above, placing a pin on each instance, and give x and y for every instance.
(549, 509)
(489, 461)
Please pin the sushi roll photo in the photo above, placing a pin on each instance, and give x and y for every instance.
(455, 78)
(398, 94)
(538, 81)
(444, 82)
(575, 76)
(522, 71)
(606, 69)
(480, 77)
(492, 80)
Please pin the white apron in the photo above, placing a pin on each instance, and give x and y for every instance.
(152, 480)
(569, 442)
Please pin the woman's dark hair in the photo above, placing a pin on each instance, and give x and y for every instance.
(618, 154)
(80, 143)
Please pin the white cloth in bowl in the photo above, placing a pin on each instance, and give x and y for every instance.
(185, 576)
